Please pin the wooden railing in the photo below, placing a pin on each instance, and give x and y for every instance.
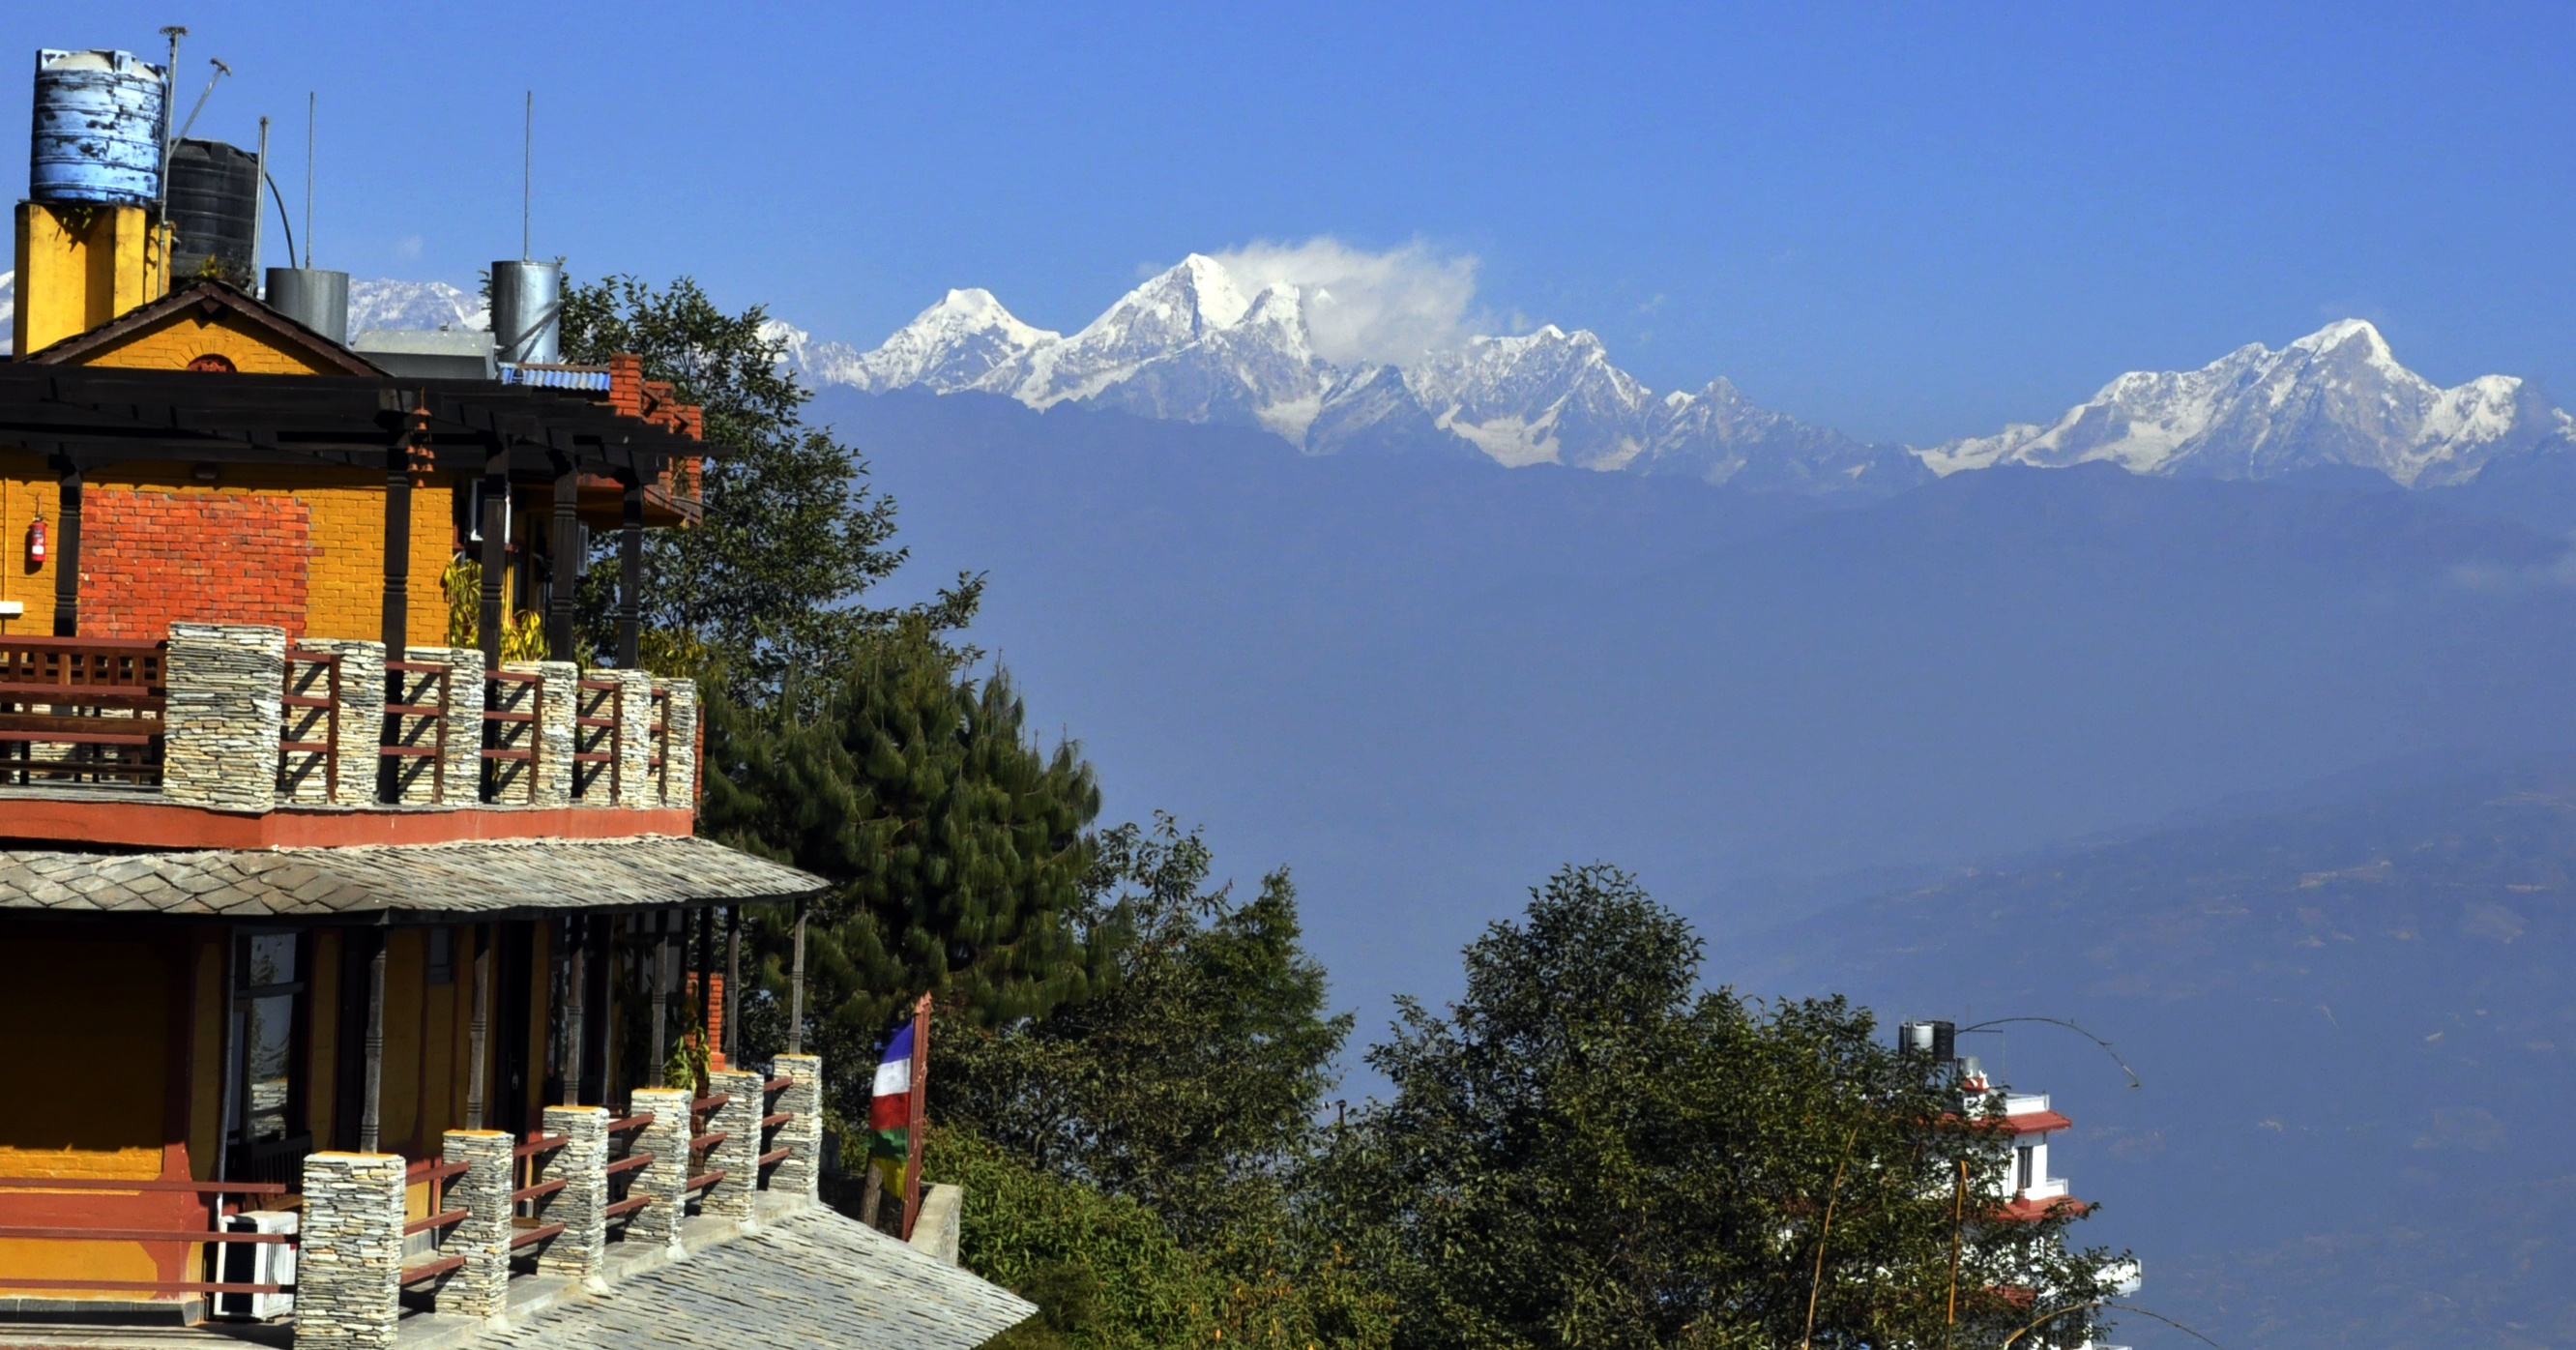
(597, 734)
(213, 1193)
(420, 702)
(100, 699)
(437, 1221)
(511, 737)
(310, 702)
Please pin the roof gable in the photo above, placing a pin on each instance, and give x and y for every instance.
(208, 321)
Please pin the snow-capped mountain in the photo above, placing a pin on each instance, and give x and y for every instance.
(2335, 397)
(387, 303)
(9, 307)
(1191, 345)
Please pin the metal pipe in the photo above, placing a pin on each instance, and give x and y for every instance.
(308, 179)
(169, 91)
(258, 211)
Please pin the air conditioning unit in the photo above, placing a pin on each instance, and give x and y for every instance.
(256, 1263)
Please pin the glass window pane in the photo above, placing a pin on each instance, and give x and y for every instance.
(272, 960)
(268, 1043)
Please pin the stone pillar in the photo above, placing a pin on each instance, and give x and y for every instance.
(482, 1287)
(348, 1260)
(221, 733)
(680, 746)
(634, 736)
(580, 1252)
(362, 718)
(464, 725)
(555, 701)
(737, 1155)
(666, 1178)
(935, 1232)
(800, 1172)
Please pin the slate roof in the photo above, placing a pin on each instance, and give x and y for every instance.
(492, 878)
(812, 1280)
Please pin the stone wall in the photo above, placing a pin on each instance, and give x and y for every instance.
(634, 704)
(801, 1171)
(680, 745)
(482, 1287)
(222, 724)
(558, 699)
(464, 725)
(580, 1251)
(348, 1261)
(361, 721)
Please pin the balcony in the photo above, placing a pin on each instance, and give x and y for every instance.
(234, 736)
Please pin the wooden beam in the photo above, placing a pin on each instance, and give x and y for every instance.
(796, 988)
(576, 994)
(478, 1034)
(370, 1114)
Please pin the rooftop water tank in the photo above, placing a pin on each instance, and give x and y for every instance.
(97, 130)
(527, 311)
(214, 208)
(311, 296)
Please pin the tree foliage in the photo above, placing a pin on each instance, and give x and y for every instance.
(953, 841)
(776, 575)
(1588, 1151)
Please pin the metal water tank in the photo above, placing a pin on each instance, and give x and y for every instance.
(214, 209)
(315, 298)
(527, 311)
(97, 130)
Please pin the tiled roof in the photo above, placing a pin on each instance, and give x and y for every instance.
(812, 1280)
(487, 877)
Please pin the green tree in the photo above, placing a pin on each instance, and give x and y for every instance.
(1588, 1151)
(954, 842)
(776, 575)
(1190, 1080)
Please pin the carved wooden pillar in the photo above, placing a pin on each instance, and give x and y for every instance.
(566, 548)
(630, 577)
(496, 553)
(67, 559)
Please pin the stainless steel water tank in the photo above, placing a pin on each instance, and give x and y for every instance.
(527, 311)
(97, 130)
(317, 299)
(214, 210)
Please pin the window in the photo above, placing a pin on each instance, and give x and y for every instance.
(268, 1008)
(2022, 1167)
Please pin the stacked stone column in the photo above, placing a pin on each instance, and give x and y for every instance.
(464, 762)
(666, 1178)
(580, 1252)
(737, 1155)
(481, 1288)
(348, 1260)
(515, 780)
(559, 700)
(634, 713)
(680, 745)
(361, 720)
(800, 1172)
(222, 717)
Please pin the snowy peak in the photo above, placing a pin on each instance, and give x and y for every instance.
(387, 303)
(2335, 397)
(959, 343)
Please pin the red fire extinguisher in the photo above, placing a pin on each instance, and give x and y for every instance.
(36, 542)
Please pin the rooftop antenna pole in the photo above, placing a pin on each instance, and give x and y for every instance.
(308, 177)
(161, 193)
(221, 70)
(259, 209)
(527, 171)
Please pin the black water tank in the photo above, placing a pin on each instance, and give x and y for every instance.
(214, 207)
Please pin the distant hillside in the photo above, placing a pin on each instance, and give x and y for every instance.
(2356, 1030)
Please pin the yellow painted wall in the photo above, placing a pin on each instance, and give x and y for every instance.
(398, 1102)
(174, 340)
(345, 578)
(322, 1099)
(79, 267)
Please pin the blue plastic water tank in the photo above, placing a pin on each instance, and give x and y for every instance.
(97, 132)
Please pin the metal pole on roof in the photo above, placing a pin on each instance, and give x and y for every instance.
(308, 188)
(527, 170)
(258, 208)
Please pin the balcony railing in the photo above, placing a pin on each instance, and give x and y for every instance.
(240, 718)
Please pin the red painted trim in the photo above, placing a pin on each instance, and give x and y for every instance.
(165, 825)
(2036, 1122)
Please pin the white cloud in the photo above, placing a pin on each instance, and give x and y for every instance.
(1362, 306)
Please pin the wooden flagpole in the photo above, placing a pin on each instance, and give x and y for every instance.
(916, 1118)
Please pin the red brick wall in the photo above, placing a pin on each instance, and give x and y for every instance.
(148, 558)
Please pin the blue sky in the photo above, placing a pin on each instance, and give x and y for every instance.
(1908, 222)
